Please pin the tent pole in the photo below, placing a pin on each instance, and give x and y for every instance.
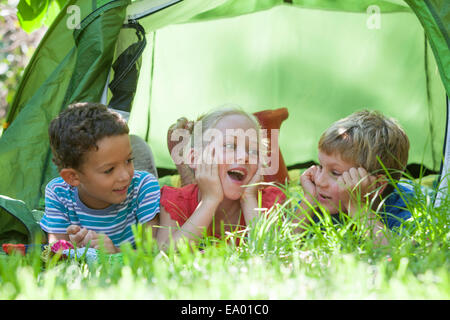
(104, 99)
(138, 10)
(445, 167)
(147, 133)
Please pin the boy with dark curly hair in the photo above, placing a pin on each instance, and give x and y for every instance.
(98, 194)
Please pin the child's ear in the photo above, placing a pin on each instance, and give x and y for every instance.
(70, 176)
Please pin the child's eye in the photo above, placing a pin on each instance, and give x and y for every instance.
(336, 173)
(130, 160)
(109, 170)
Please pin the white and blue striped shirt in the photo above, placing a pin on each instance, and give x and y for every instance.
(63, 207)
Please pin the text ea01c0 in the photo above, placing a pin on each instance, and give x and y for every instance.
(246, 309)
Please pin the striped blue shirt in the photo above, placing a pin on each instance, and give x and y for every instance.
(63, 207)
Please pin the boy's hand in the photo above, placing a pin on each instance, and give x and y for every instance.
(82, 237)
(76, 234)
(207, 177)
(355, 185)
(307, 181)
(96, 239)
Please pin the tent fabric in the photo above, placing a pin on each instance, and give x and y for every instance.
(434, 16)
(66, 73)
(18, 223)
(56, 46)
(126, 70)
(272, 64)
(445, 168)
(237, 7)
(203, 53)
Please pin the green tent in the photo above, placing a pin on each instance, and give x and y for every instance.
(320, 59)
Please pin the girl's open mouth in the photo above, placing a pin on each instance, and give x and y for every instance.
(237, 174)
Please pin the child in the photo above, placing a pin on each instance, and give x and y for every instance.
(349, 170)
(98, 194)
(225, 166)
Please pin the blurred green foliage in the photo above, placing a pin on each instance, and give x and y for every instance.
(32, 14)
(22, 26)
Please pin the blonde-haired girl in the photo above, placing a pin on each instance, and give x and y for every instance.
(225, 154)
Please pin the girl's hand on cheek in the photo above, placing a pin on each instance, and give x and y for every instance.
(207, 176)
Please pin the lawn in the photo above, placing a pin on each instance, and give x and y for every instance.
(327, 261)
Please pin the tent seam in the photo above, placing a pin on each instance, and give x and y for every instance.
(438, 22)
(151, 88)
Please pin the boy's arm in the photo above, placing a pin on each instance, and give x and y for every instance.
(55, 220)
(374, 227)
(148, 203)
(379, 231)
(357, 187)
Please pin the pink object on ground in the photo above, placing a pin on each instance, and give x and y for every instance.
(61, 245)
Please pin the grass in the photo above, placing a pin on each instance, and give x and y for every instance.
(326, 261)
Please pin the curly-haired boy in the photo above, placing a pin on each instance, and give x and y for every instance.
(98, 194)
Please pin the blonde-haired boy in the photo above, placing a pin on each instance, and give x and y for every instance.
(354, 155)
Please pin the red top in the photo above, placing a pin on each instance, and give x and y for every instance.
(181, 203)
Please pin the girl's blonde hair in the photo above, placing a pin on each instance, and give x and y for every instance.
(367, 138)
(209, 121)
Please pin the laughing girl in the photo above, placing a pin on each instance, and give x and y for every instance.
(225, 153)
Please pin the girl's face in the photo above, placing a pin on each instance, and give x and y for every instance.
(238, 161)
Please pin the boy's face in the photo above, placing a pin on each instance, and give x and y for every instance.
(106, 173)
(328, 191)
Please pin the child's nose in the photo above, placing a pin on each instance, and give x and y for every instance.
(242, 156)
(124, 175)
